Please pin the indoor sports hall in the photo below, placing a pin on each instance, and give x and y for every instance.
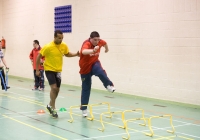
(100, 69)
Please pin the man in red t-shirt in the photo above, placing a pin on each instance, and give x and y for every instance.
(39, 81)
(90, 65)
(3, 41)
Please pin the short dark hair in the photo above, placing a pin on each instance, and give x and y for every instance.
(36, 42)
(94, 34)
(57, 32)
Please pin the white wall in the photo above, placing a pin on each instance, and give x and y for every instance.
(154, 45)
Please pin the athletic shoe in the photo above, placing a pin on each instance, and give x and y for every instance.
(54, 113)
(110, 88)
(84, 113)
(49, 109)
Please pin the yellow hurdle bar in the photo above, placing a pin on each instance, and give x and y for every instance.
(101, 119)
(90, 109)
(142, 118)
(131, 120)
(150, 127)
(123, 117)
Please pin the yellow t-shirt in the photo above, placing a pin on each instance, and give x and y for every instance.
(54, 56)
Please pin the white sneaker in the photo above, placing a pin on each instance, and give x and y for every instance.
(34, 88)
(110, 88)
(41, 89)
(84, 113)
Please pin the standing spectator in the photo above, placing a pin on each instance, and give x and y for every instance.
(39, 81)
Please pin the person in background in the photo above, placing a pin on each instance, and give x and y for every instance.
(2, 59)
(39, 81)
(3, 43)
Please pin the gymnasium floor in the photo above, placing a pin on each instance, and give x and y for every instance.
(19, 119)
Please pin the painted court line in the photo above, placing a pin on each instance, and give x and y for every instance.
(185, 138)
(180, 133)
(174, 120)
(21, 94)
(31, 126)
(56, 109)
(7, 100)
(41, 114)
(53, 125)
(24, 116)
(21, 112)
(124, 133)
(22, 99)
(163, 128)
(105, 136)
(161, 118)
(121, 134)
(119, 126)
(38, 91)
(123, 109)
(155, 128)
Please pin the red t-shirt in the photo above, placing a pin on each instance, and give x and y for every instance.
(33, 56)
(3, 42)
(86, 61)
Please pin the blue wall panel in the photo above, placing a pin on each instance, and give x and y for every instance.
(63, 18)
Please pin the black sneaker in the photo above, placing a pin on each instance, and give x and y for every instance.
(49, 109)
(6, 88)
(54, 114)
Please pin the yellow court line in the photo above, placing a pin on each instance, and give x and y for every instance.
(164, 138)
(23, 100)
(30, 100)
(161, 137)
(185, 138)
(35, 127)
(80, 115)
(127, 128)
(34, 102)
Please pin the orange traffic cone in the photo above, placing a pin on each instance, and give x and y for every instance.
(40, 111)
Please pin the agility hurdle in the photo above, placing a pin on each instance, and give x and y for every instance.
(91, 118)
(122, 116)
(149, 125)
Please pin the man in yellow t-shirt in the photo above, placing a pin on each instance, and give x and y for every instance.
(53, 53)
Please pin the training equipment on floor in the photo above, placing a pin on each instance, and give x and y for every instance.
(125, 121)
